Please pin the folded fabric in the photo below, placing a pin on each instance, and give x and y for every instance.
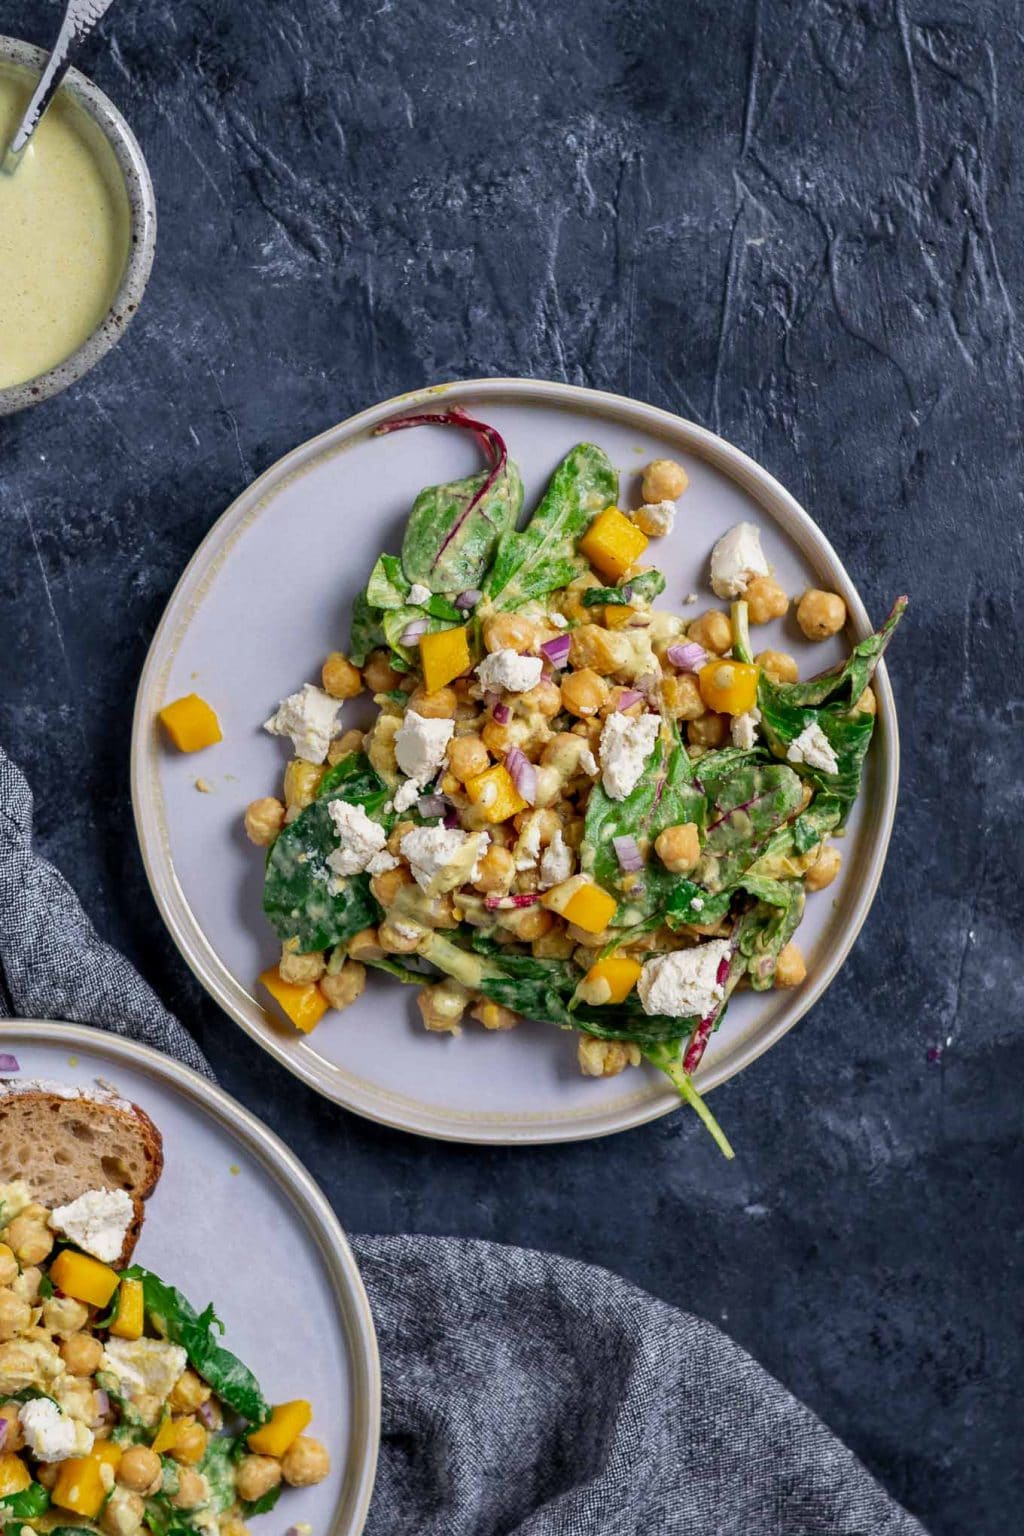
(524, 1394)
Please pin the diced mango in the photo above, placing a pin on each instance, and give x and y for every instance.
(282, 1429)
(612, 543)
(303, 1002)
(728, 687)
(166, 1436)
(582, 902)
(191, 723)
(86, 1279)
(617, 615)
(611, 980)
(80, 1485)
(494, 791)
(130, 1311)
(14, 1475)
(444, 654)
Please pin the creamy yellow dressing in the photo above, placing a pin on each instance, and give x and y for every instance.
(64, 233)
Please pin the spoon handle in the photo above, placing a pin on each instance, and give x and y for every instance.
(79, 19)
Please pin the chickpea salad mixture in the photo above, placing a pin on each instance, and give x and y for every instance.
(119, 1407)
(572, 806)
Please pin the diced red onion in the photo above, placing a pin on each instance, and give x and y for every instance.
(413, 632)
(647, 684)
(430, 805)
(4, 1424)
(469, 598)
(501, 713)
(524, 774)
(206, 1413)
(451, 819)
(627, 851)
(557, 650)
(102, 1404)
(641, 621)
(627, 593)
(8, 1063)
(688, 656)
(511, 903)
(627, 698)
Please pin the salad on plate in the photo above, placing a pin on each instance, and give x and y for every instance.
(573, 805)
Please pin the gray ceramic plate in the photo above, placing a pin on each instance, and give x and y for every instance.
(268, 594)
(237, 1220)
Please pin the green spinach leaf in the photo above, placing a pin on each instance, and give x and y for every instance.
(28, 1504)
(644, 588)
(218, 1467)
(365, 632)
(454, 529)
(765, 930)
(745, 808)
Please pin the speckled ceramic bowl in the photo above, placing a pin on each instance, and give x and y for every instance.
(142, 209)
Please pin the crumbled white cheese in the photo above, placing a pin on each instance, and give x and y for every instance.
(418, 594)
(697, 904)
(626, 744)
(744, 729)
(690, 599)
(509, 671)
(684, 984)
(309, 717)
(407, 795)
(527, 849)
(420, 747)
(736, 559)
(144, 1365)
(658, 517)
(559, 620)
(49, 1434)
(360, 839)
(442, 858)
(588, 762)
(813, 747)
(96, 1222)
(555, 862)
(381, 862)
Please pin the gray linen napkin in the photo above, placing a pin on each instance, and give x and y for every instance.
(524, 1394)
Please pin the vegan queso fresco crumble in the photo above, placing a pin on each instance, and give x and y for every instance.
(573, 805)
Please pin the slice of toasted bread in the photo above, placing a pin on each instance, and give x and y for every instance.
(63, 1141)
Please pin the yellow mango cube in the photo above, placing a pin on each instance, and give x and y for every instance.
(617, 615)
(728, 687)
(14, 1474)
(282, 1429)
(444, 655)
(494, 791)
(80, 1485)
(581, 902)
(303, 1002)
(191, 723)
(166, 1436)
(130, 1311)
(613, 543)
(86, 1279)
(610, 980)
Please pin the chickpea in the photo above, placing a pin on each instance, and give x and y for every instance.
(583, 692)
(820, 614)
(139, 1469)
(342, 746)
(586, 941)
(257, 1475)
(710, 730)
(678, 847)
(867, 704)
(790, 969)
(439, 705)
(491, 1016)
(122, 1513)
(301, 781)
(263, 821)
(527, 923)
(497, 870)
(398, 938)
(549, 786)
(442, 1007)
(193, 1490)
(189, 1392)
(300, 969)
(15, 1315)
(806, 795)
(46, 1473)
(305, 1461)
(824, 868)
(614, 700)
(713, 631)
(233, 1527)
(342, 989)
(379, 675)
(31, 1240)
(388, 883)
(467, 756)
(592, 646)
(27, 1284)
(765, 600)
(545, 699)
(363, 945)
(8, 1265)
(13, 1437)
(82, 1354)
(500, 739)
(148, 1406)
(340, 678)
(606, 1058)
(398, 831)
(778, 665)
(556, 944)
(509, 631)
(682, 698)
(664, 480)
(189, 1442)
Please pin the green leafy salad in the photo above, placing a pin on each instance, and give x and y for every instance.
(573, 805)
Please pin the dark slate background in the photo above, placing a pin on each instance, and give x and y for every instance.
(797, 223)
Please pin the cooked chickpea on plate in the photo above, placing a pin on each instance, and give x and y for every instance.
(573, 805)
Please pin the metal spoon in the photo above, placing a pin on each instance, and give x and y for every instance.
(79, 19)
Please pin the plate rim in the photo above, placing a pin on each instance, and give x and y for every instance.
(196, 949)
(292, 1176)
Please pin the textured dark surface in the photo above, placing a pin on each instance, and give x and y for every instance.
(799, 224)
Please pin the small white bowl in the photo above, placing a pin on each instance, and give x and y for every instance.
(142, 211)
